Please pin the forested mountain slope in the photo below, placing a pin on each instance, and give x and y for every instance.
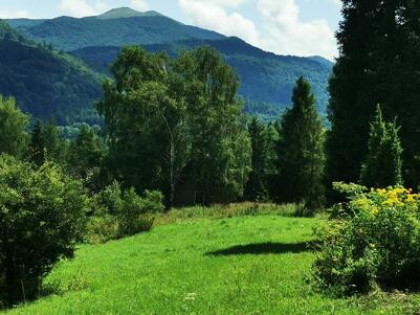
(115, 28)
(266, 79)
(45, 82)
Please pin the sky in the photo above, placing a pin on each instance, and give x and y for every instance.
(287, 27)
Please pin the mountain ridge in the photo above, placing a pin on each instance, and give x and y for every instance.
(267, 79)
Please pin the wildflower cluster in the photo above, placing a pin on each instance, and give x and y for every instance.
(373, 241)
(381, 198)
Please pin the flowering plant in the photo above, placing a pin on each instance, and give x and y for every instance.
(372, 240)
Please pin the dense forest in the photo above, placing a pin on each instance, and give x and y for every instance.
(45, 82)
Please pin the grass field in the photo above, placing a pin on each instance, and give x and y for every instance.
(255, 264)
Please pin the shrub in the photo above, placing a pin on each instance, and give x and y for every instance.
(374, 242)
(137, 214)
(42, 214)
(117, 213)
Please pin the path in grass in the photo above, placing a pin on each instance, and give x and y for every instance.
(243, 265)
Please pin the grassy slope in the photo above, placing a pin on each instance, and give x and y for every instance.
(170, 271)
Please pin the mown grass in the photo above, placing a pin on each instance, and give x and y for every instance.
(255, 264)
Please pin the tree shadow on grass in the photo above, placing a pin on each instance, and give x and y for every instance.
(266, 248)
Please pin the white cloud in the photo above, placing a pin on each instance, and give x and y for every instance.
(336, 2)
(140, 5)
(285, 33)
(281, 31)
(213, 15)
(9, 14)
(82, 8)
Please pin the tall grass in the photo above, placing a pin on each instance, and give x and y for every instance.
(219, 211)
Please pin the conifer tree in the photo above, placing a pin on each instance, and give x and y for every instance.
(383, 164)
(46, 144)
(37, 144)
(301, 150)
(256, 188)
(86, 155)
(378, 63)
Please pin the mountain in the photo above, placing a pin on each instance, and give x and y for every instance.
(46, 82)
(267, 79)
(126, 12)
(117, 27)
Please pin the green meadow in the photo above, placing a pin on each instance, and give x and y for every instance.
(197, 262)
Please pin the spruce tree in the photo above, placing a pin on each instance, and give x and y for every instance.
(301, 156)
(37, 144)
(46, 144)
(256, 188)
(383, 164)
(378, 63)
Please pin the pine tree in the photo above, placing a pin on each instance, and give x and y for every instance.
(86, 155)
(256, 188)
(46, 144)
(37, 144)
(378, 63)
(301, 150)
(383, 164)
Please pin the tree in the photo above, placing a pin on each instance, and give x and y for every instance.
(171, 120)
(42, 214)
(256, 188)
(86, 156)
(378, 64)
(13, 128)
(141, 117)
(301, 154)
(46, 144)
(37, 144)
(220, 147)
(383, 164)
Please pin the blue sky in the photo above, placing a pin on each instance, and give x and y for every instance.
(295, 27)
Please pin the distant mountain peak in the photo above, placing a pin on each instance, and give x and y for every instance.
(125, 12)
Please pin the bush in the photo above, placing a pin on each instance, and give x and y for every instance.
(374, 241)
(137, 214)
(117, 213)
(42, 215)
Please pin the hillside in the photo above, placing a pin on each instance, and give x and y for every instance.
(45, 82)
(267, 79)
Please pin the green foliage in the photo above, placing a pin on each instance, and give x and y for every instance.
(301, 154)
(118, 213)
(41, 217)
(257, 187)
(374, 243)
(46, 144)
(8, 33)
(46, 83)
(13, 128)
(86, 157)
(383, 164)
(137, 214)
(176, 120)
(377, 64)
